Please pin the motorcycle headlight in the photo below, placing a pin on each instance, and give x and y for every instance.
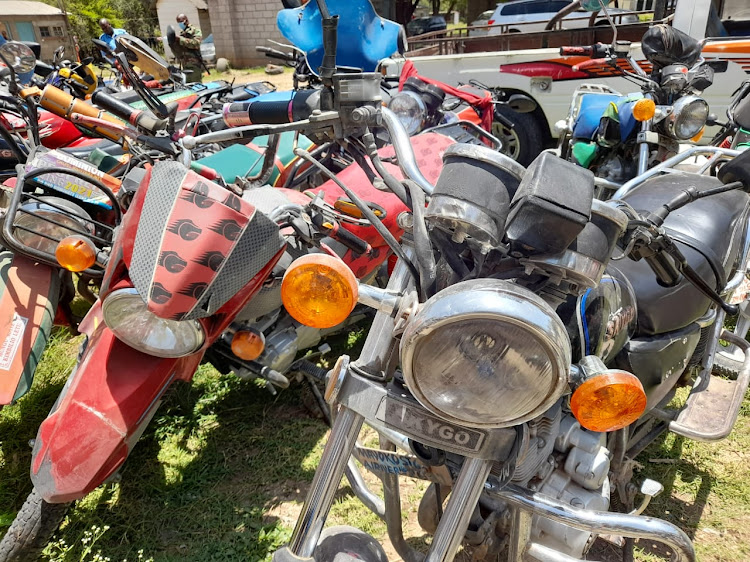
(486, 353)
(688, 117)
(410, 110)
(48, 224)
(128, 317)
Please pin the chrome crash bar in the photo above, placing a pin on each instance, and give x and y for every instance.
(712, 152)
(528, 504)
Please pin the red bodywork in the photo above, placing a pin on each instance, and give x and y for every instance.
(29, 293)
(115, 389)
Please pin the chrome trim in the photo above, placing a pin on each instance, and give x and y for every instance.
(455, 520)
(678, 107)
(379, 299)
(599, 522)
(404, 153)
(714, 151)
(575, 267)
(490, 299)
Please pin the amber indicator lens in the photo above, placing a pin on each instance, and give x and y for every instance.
(319, 290)
(75, 253)
(644, 109)
(248, 344)
(609, 401)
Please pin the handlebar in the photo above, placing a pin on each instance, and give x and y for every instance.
(135, 117)
(64, 105)
(276, 54)
(274, 109)
(598, 51)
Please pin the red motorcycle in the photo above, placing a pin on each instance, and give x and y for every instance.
(178, 284)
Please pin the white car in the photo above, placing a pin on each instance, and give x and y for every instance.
(533, 15)
(483, 18)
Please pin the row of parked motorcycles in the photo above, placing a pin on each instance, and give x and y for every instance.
(530, 325)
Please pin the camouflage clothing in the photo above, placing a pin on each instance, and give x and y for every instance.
(190, 41)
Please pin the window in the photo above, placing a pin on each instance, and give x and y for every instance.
(57, 31)
(44, 31)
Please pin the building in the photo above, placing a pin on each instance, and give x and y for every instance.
(47, 25)
(195, 10)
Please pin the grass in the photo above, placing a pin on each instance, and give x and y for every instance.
(222, 470)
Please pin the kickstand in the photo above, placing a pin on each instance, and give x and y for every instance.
(627, 550)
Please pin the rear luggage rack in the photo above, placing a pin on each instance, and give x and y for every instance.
(29, 190)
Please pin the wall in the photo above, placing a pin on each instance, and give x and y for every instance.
(49, 44)
(244, 24)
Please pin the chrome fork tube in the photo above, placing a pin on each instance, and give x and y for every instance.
(645, 149)
(463, 500)
(378, 347)
(325, 483)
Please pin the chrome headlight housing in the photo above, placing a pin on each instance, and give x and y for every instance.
(133, 323)
(688, 117)
(486, 353)
(36, 216)
(410, 110)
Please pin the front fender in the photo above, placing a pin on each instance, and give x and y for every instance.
(29, 293)
(110, 398)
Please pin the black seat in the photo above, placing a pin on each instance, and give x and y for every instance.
(706, 232)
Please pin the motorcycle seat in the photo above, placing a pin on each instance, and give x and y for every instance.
(710, 233)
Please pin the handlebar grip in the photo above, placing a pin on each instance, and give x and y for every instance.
(589, 63)
(135, 117)
(273, 53)
(334, 230)
(272, 109)
(663, 266)
(576, 51)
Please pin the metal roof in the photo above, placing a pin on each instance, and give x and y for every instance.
(27, 8)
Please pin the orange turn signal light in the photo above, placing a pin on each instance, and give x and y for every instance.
(644, 109)
(319, 290)
(248, 344)
(76, 253)
(699, 135)
(609, 401)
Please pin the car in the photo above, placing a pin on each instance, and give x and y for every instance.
(533, 15)
(483, 19)
(426, 24)
(208, 49)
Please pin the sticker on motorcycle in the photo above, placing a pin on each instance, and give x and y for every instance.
(387, 462)
(416, 423)
(71, 185)
(10, 346)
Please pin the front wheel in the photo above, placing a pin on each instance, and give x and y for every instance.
(32, 529)
(524, 141)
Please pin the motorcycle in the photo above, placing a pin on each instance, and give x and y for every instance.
(211, 288)
(521, 369)
(619, 136)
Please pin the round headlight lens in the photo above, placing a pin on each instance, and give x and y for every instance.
(486, 353)
(410, 110)
(688, 117)
(128, 317)
(46, 235)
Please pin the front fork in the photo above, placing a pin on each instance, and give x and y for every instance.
(375, 359)
(644, 151)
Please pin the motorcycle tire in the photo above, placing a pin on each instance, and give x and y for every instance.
(343, 543)
(32, 529)
(525, 140)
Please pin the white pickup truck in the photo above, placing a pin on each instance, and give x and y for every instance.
(550, 79)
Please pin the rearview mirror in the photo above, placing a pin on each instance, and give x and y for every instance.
(594, 5)
(21, 58)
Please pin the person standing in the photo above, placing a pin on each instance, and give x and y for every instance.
(190, 41)
(109, 36)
